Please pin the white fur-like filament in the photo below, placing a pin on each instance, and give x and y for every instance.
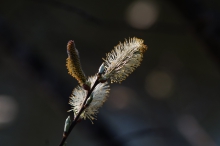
(100, 94)
(124, 59)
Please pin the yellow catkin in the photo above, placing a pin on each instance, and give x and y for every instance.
(73, 63)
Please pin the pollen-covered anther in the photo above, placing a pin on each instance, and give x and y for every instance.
(73, 63)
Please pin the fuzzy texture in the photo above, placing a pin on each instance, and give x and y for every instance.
(124, 59)
(99, 94)
(73, 63)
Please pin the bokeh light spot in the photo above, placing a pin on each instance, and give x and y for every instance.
(142, 14)
(159, 84)
(120, 97)
(8, 109)
(190, 128)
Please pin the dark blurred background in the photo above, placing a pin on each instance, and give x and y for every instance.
(172, 99)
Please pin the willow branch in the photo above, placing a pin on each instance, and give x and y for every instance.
(77, 117)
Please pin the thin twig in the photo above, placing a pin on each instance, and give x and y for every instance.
(82, 108)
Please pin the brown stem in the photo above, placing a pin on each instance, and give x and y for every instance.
(82, 108)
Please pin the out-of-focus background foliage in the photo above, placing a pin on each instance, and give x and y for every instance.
(172, 99)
